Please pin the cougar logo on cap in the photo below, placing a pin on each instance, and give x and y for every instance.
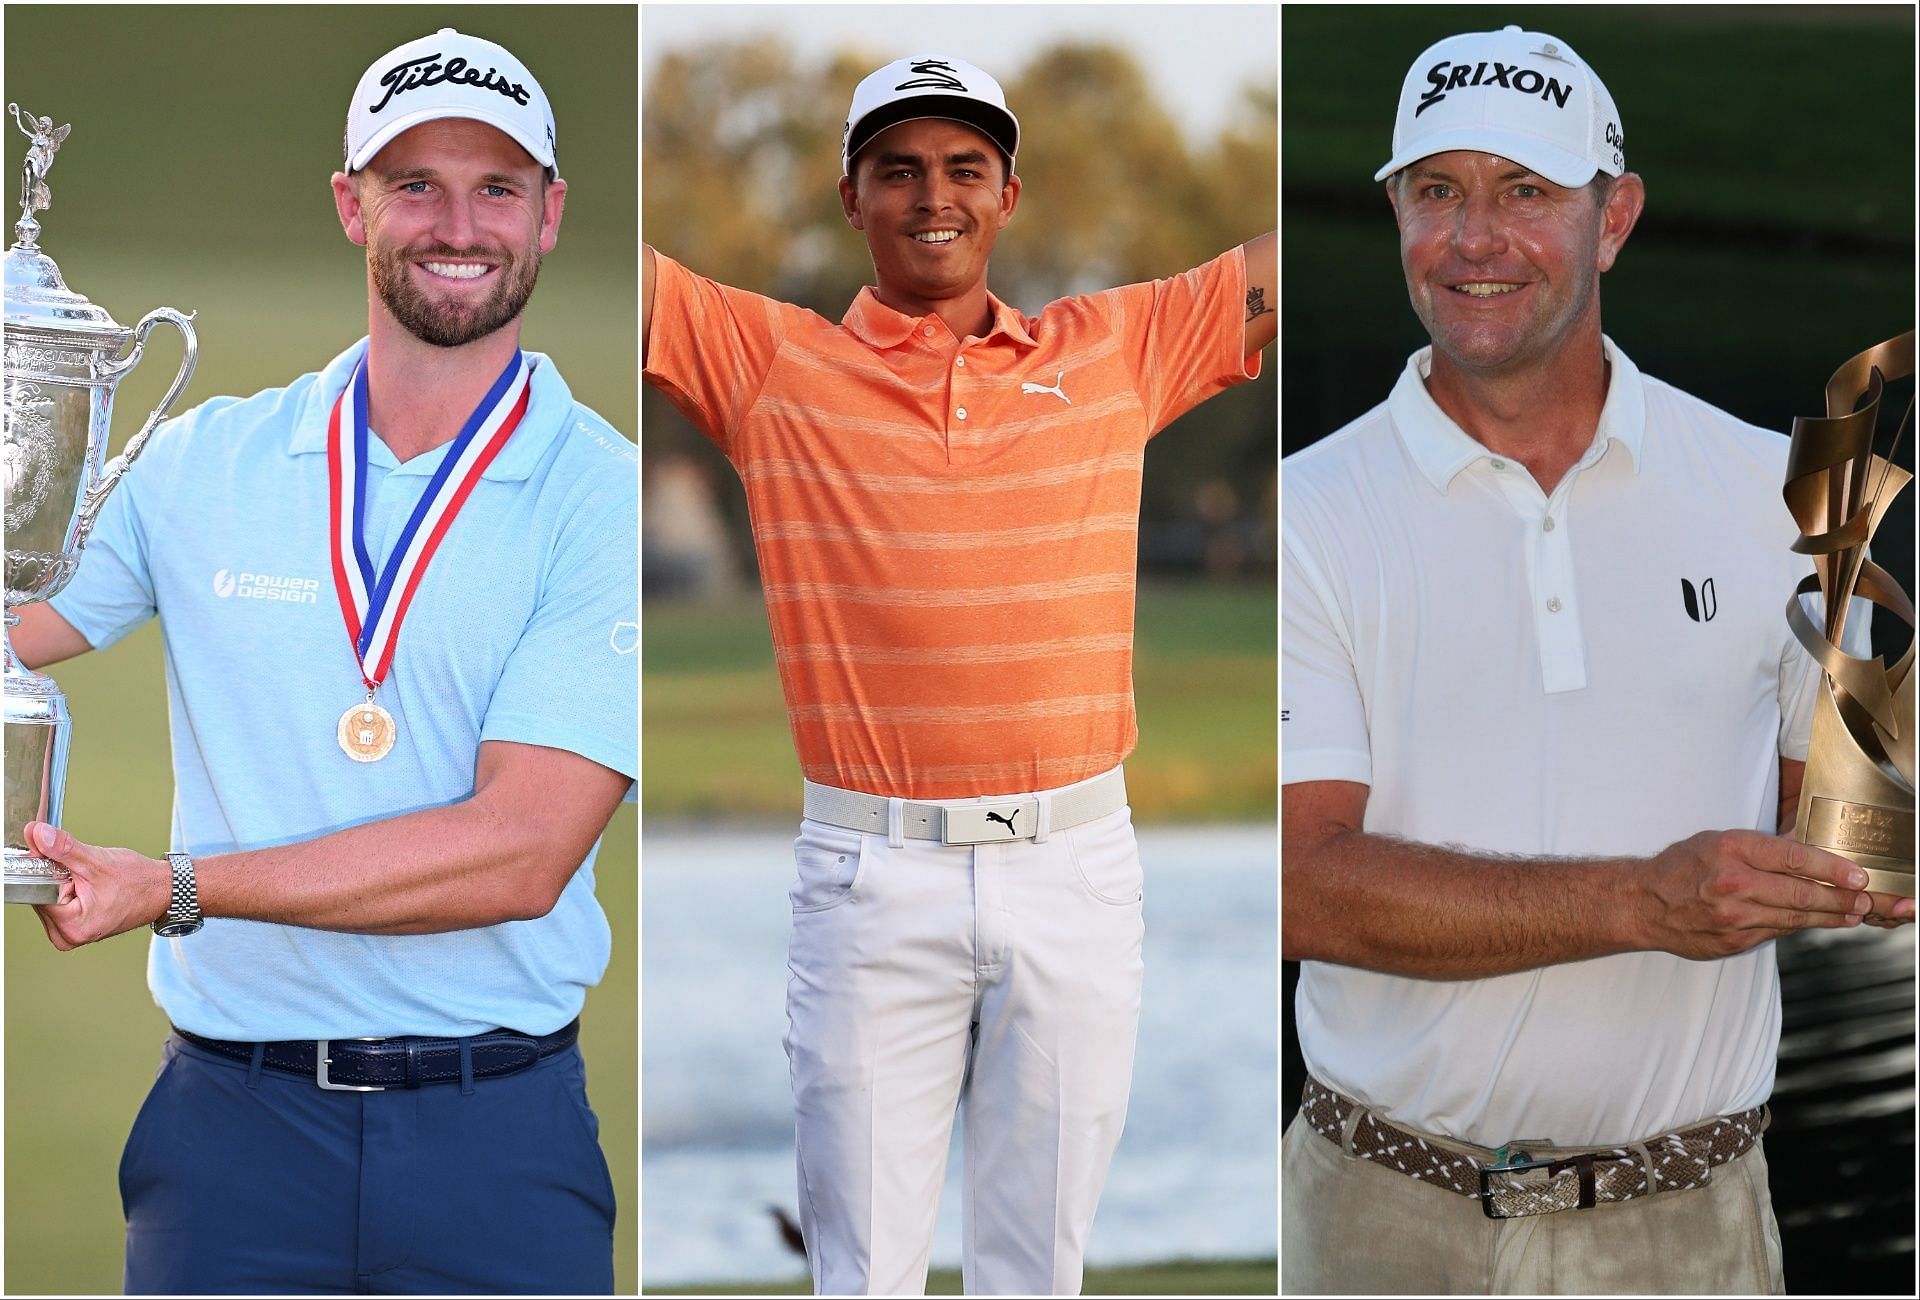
(933, 74)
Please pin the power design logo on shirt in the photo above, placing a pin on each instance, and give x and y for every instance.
(244, 585)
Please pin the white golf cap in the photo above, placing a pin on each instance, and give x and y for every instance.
(445, 75)
(1521, 95)
(907, 90)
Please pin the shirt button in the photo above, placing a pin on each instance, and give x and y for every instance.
(1546, 525)
(959, 361)
(961, 413)
(1497, 463)
(1553, 604)
(927, 330)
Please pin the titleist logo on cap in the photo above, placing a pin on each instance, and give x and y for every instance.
(1445, 76)
(427, 70)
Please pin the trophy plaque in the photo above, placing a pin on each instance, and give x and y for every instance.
(64, 357)
(1857, 799)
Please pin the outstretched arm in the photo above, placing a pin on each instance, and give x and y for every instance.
(504, 853)
(1263, 291)
(646, 298)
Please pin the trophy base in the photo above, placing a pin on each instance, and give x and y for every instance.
(1882, 881)
(33, 880)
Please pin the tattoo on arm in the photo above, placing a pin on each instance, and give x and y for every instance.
(1257, 303)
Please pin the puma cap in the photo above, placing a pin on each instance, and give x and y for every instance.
(911, 89)
(1522, 95)
(448, 74)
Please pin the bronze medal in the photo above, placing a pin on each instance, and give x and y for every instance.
(366, 732)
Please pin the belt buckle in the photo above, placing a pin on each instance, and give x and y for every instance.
(321, 1061)
(987, 823)
(1507, 1160)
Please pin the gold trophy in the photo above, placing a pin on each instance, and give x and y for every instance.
(1857, 799)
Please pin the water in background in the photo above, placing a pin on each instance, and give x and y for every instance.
(1195, 1173)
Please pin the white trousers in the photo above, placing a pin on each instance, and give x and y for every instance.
(999, 978)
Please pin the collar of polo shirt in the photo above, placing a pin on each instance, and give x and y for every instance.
(1442, 448)
(880, 326)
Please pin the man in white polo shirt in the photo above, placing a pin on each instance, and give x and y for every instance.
(390, 782)
(1541, 716)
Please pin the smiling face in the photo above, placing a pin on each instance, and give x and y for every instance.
(931, 196)
(455, 217)
(1502, 265)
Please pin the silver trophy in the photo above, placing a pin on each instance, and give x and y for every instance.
(63, 360)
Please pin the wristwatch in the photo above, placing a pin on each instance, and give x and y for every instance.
(183, 906)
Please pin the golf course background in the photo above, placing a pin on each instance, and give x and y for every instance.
(196, 177)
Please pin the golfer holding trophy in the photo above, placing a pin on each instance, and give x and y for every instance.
(391, 592)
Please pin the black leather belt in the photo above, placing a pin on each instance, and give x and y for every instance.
(377, 1064)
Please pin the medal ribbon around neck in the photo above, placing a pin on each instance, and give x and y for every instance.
(374, 607)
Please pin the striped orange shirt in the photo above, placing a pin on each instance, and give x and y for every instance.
(947, 530)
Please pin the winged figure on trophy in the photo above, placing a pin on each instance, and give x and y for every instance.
(46, 140)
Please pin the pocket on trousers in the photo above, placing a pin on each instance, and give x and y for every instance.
(1106, 859)
(827, 866)
(132, 1177)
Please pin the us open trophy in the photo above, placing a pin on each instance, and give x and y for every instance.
(1857, 798)
(63, 361)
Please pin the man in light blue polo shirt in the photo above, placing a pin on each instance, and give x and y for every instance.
(399, 602)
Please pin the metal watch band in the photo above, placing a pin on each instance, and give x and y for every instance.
(183, 905)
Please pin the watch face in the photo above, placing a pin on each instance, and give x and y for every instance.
(175, 929)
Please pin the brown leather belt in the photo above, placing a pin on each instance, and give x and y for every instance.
(1671, 1162)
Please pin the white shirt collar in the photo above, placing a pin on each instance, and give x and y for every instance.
(1442, 448)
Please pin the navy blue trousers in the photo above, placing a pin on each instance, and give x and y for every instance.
(239, 1181)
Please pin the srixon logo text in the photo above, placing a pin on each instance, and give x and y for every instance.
(1444, 76)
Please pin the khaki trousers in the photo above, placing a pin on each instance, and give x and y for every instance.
(1352, 1227)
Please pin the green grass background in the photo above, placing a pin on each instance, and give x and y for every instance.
(1205, 685)
(196, 177)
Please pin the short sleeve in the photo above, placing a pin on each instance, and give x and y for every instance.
(1323, 718)
(1184, 337)
(709, 347)
(111, 592)
(573, 681)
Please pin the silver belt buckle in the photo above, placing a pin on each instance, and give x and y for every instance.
(322, 1061)
(988, 823)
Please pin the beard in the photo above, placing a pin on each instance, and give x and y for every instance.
(446, 324)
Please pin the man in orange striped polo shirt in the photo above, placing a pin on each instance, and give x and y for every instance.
(945, 500)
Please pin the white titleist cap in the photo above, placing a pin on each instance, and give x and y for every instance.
(443, 75)
(1521, 95)
(909, 89)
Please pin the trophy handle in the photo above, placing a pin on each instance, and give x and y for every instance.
(96, 496)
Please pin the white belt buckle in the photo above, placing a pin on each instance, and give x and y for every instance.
(986, 823)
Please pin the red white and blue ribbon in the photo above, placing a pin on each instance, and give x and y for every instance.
(374, 605)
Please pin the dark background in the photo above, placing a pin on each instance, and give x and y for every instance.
(1777, 147)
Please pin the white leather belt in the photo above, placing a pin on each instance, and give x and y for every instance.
(970, 821)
